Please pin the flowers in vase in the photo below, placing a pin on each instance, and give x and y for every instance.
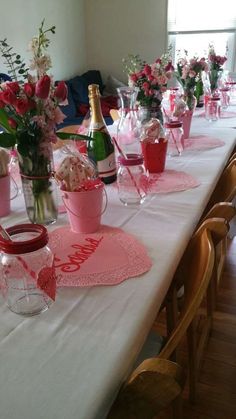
(151, 79)
(29, 113)
(216, 63)
(189, 72)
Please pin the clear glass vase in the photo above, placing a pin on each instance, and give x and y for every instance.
(38, 185)
(128, 129)
(146, 113)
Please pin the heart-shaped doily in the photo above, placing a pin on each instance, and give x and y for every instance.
(107, 257)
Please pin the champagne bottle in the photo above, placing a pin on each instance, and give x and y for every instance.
(101, 148)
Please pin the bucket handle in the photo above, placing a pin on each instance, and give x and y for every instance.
(16, 188)
(95, 216)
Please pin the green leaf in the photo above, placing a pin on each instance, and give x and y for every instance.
(7, 140)
(4, 121)
(77, 137)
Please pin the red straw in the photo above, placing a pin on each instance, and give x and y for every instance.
(128, 170)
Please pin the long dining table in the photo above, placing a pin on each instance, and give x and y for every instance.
(70, 361)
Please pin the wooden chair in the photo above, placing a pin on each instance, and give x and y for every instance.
(114, 114)
(158, 382)
(227, 211)
(225, 190)
(218, 228)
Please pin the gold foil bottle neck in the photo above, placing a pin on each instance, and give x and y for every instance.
(93, 90)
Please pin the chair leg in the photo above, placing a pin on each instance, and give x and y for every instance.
(192, 356)
(178, 408)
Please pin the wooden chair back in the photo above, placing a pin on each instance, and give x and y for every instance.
(114, 114)
(157, 382)
(225, 190)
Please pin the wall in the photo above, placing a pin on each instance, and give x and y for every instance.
(116, 28)
(20, 20)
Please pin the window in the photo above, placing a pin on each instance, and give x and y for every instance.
(194, 25)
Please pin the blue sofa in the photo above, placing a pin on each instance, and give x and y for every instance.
(78, 97)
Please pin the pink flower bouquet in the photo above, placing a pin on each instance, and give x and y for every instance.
(151, 79)
(216, 63)
(189, 74)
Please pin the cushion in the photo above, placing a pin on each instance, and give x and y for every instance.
(94, 77)
(111, 85)
(107, 103)
(79, 87)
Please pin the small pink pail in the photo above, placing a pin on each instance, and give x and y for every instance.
(84, 209)
(5, 196)
(186, 119)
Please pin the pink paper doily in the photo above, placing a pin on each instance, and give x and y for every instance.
(223, 114)
(202, 142)
(171, 181)
(107, 257)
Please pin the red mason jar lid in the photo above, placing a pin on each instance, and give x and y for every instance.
(214, 98)
(24, 246)
(224, 89)
(174, 124)
(131, 160)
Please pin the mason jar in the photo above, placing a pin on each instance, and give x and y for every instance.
(174, 135)
(27, 273)
(132, 179)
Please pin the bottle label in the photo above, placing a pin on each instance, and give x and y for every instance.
(107, 167)
(97, 126)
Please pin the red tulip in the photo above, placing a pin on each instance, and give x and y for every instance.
(42, 87)
(14, 86)
(8, 97)
(12, 123)
(29, 89)
(61, 91)
(22, 106)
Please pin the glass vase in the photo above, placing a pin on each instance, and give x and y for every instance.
(148, 112)
(190, 99)
(38, 185)
(128, 129)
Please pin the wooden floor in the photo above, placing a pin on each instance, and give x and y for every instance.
(217, 378)
(216, 391)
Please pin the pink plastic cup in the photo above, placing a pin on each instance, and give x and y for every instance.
(5, 196)
(84, 209)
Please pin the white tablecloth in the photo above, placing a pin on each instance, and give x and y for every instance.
(69, 362)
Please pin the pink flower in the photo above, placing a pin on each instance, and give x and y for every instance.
(61, 91)
(192, 73)
(133, 77)
(145, 85)
(162, 79)
(42, 88)
(147, 70)
(58, 116)
(169, 67)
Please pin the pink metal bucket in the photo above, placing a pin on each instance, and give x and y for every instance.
(84, 209)
(5, 196)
